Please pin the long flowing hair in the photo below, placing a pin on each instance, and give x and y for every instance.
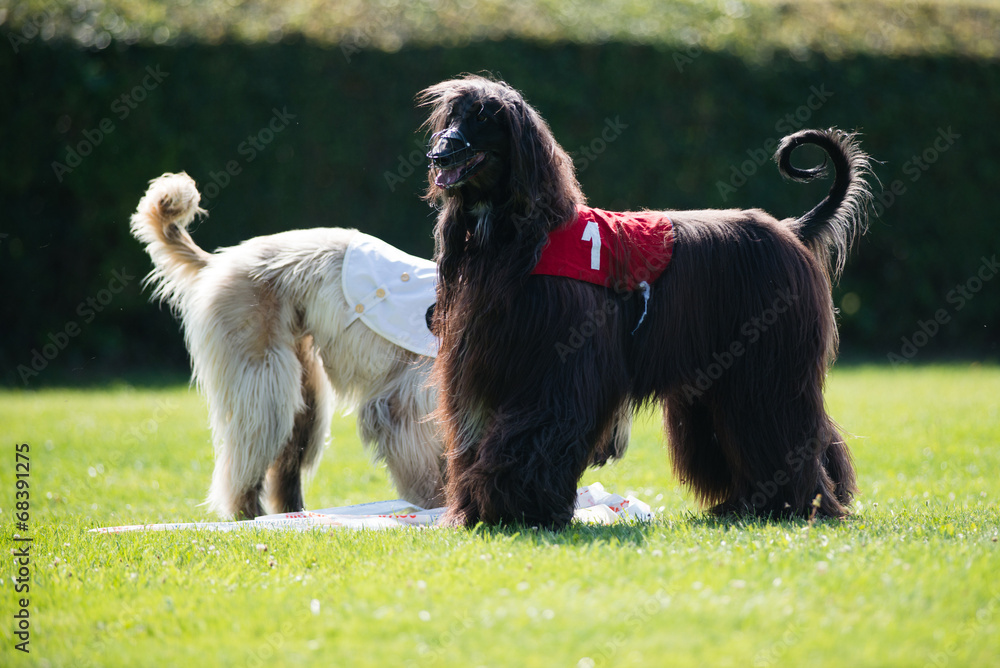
(540, 193)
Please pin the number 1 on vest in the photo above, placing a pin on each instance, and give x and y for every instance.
(592, 234)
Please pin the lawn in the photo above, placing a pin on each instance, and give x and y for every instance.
(910, 580)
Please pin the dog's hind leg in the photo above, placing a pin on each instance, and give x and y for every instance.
(243, 422)
(395, 425)
(248, 367)
(304, 447)
(415, 462)
(248, 503)
(838, 467)
(789, 454)
(614, 444)
(696, 454)
(231, 495)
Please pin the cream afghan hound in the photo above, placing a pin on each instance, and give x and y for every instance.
(274, 348)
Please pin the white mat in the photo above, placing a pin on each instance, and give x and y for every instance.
(594, 505)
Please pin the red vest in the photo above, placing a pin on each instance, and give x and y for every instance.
(616, 250)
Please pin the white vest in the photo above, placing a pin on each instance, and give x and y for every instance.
(390, 291)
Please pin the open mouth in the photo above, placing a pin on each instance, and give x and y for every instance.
(453, 177)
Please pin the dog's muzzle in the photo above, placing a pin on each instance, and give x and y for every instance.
(454, 158)
(449, 148)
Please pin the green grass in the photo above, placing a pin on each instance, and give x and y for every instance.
(911, 580)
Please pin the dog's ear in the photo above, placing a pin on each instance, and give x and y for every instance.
(543, 188)
(529, 139)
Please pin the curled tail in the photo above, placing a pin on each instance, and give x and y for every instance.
(830, 227)
(160, 222)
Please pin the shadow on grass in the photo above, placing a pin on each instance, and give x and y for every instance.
(616, 534)
(637, 533)
(749, 522)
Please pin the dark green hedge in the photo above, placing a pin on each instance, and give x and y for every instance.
(686, 129)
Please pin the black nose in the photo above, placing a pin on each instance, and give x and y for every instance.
(449, 148)
(429, 317)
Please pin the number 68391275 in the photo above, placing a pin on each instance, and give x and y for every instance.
(22, 466)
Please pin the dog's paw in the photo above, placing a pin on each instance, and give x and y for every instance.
(452, 520)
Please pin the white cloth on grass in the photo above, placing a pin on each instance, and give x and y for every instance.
(594, 505)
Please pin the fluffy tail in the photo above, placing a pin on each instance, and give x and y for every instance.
(830, 228)
(160, 222)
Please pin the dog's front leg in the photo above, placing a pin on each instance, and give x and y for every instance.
(526, 467)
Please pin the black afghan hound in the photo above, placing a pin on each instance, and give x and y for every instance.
(548, 336)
